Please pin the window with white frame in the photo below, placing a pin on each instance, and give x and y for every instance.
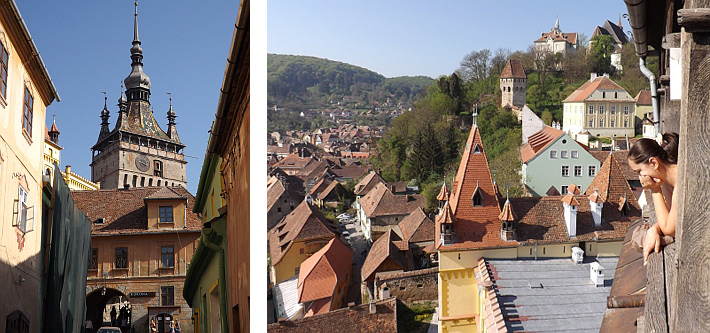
(553, 153)
(612, 123)
(601, 109)
(626, 109)
(578, 171)
(564, 189)
(565, 171)
(591, 109)
(574, 154)
(592, 171)
(601, 122)
(613, 109)
(25, 213)
(563, 154)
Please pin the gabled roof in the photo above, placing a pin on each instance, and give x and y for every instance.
(476, 227)
(570, 37)
(165, 193)
(367, 183)
(319, 274)
(513, 70)
(334, 186)
(621, 156)
(380, 201)
(538, 142)
(588, 88)
(353, 319)
(611, 183)
(613, 30)
(382, 249)
(643, 97)
(294, 161)
(303, 223)
(319, 186)
(125, 210)
(417, 227)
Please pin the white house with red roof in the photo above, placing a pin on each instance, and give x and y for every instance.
(557, 41)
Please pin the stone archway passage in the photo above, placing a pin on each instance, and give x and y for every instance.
(111, 308)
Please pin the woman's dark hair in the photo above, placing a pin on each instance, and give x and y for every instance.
(646, 148)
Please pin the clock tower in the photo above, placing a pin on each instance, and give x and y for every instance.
(137, 152)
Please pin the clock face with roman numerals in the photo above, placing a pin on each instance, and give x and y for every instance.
(142, 163)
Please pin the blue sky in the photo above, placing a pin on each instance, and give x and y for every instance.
(397, 38)
(85, 46)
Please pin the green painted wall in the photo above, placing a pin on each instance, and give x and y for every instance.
(541, 172)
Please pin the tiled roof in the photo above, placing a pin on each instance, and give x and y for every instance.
(165, 193)
(570, 37)
(445, 216)
(600, 83)
(125, 210)
(611, 183)
(475, 227)
(319, 274)
(380, 201)
(382, 249)
(443, 194)
(643, 97)
(334, 186)
(574, 189)
(367, 183)
(303, 223)
(273, 193)
(354, 319)
(294, 161)
(570, 199)
(613, 30)
(538, 142)
(417, 227)
(621, 157)
(352, 171)
(513, 70)
(319, 187)
(507, 213)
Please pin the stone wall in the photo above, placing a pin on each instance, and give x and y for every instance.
(419, 285)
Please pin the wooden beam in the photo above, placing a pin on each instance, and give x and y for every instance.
(691, 312)
(655, 309)
(694, 19)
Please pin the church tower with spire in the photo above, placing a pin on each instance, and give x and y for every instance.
(137, 152)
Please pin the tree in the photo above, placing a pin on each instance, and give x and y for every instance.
(475, 65)
(547, 117)
(499, 59)
(600, 54)
(582, 41)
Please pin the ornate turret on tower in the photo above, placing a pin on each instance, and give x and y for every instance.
(507, 217)
(137, 152)
(54, 132)
(443, 196)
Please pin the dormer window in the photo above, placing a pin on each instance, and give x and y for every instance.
(477, 198)
(477, 149)
(166, 214)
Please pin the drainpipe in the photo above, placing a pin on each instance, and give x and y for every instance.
(184, 215)
(205, 237)
(535, 251)
(654, 96)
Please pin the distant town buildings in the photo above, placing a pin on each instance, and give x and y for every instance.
(556, 41)
(616, 31)
(513, 85)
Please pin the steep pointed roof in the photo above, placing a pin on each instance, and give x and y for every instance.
(445, 216)
(319, 274)
(443, 193)
(574, 189)
(611, 184)
(303, 223)
(507, 213)
(476, 227)
(513, 69)
(570, 199)
(611, 29)
(595, 197)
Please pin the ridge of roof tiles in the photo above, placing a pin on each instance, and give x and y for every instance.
(585, 91)
(611, 183)
(539, 142)
(319, 274)
(303, 223)
(507, 213)
(417, 227)
(383, 248)
(570, 199)
(367, 183)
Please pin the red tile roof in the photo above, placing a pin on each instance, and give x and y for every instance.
(319, 275)
(507, 213)
(382, 249)
(443, 194)
(538, 142)
(570, 199)
(125, 210)
(574, 189)
(355, 319)
(319, 187)
(417, 227)
(367, 183)
(621, 157)
(643, 97)
(600, 83)
(475, 227)
(380, 201)
(513, 70)
(570, 37)
(611, 183)
(302, 224)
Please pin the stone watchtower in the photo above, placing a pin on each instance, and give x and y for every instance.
(137, 152)
(513, 84)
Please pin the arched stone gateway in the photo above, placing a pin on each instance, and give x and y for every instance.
(109, 307)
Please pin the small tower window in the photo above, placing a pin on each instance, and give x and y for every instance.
(477, 198)
(477, 149)
(158, 168)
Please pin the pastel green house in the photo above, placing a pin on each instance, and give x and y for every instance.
(551, 158)
(206, 280)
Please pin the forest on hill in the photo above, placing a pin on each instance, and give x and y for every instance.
(301, 83)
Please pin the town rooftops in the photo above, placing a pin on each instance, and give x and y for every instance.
(367, 183)
(417, 227)
(303, 223)
(611, 183)
(319, 275)
(385, 251)
(570, 37)
(538, 142)
(513, 70)
(549, 294)
(367, 318)
(125, 212)
(584, 92)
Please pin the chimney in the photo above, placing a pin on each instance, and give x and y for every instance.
(570, 205)
(577, 255)
(67, 170)
(592, 77)
(595, 205)
(596, 274)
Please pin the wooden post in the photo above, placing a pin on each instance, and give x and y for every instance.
(691, 312)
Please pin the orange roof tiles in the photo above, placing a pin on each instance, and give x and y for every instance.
(443, 193)
(382, 249)
(445, 216)
(611, 183)
(513, 70)
(125, 210)
(570, 37)
(417, 227)
(380, 201)
(319, 275)
(570, 199)
(538, 142)
(303, 223)
(574, 189)
(367, 183)
(507, 213)
(643, 97)
(600, 83)
(353, 319)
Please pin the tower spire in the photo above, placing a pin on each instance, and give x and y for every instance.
(137, 83)
(135, 23)
(105, 114)
(172, 130)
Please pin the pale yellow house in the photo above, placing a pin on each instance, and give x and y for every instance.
(473, 224)
(601, 107)
(644, 108)
(25, 92)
